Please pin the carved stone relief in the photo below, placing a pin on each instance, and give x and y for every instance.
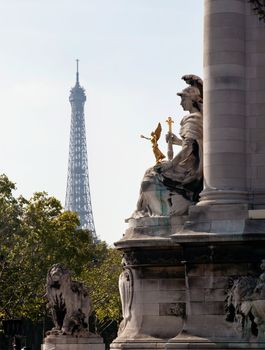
(245, 305)
(126, 294)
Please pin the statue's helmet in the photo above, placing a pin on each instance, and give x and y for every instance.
(192, 92)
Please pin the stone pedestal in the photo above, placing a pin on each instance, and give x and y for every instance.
(204, 344)
(213, 262)
(158, 285)
(147, 343)
(197, 282)
(181, 284)
(66, 342)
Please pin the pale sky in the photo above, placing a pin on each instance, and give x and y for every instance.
(132, 55)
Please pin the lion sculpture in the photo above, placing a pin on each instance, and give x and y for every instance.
(68, 302)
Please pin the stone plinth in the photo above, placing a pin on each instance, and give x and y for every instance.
(181, 282)
(213, 263)
(158, 286)
(66, 342)
(222, 220)
(204, 344)
(142, 344)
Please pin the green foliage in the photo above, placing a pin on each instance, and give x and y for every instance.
(102, 280)
(34, 235)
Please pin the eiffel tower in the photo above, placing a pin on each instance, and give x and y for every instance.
(78, 193)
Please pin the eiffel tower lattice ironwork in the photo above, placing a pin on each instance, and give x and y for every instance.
(78, 192)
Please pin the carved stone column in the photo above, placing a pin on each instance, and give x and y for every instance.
(224, 102)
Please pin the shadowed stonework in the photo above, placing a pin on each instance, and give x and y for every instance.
(258, 7)
(194, 256)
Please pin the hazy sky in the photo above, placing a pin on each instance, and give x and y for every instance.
(132, 56)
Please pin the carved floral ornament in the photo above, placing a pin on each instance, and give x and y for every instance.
(258, 6)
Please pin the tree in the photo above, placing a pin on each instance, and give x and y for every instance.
(11, 210)
(102, 279)
(34, 235)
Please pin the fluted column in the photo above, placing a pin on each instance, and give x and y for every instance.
(224, 102)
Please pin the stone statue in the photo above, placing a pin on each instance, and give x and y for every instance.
(169, 187)
(155, 136)
(245, 305)
(69, 303)
(126, 294)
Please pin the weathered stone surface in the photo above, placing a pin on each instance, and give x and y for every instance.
(68, 301)
(233, 66)
(194, 272)
(189, 294)
(66, 342)
(70, 307)
(158, 299)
